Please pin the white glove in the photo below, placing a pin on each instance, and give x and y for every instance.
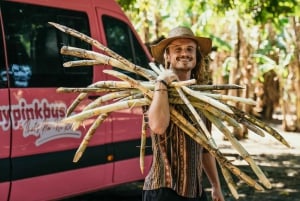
(167, 76)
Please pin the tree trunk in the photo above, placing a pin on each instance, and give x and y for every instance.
(296, 24)
(235, 78)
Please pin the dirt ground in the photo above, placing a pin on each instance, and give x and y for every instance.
(280, 164)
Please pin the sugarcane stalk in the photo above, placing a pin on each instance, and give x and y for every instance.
(208, 100)
(81, 63)
(133, 82)
(131, 67)
(190, 130)
(218, 113)
(88, 54)
(74, 104)
(154, 67)
(261, 125)
(77, 100)
(143, 141)
(204, 106)
(82, 96)
(108, 97)
(85, 90)
(105, 109)
(230, 98)
(252, 127)
(230, 183)
(216, 87)
(99, 101)
(235, 143)
(197, 117)
(88, 136)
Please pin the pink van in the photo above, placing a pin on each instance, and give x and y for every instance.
(35, 154)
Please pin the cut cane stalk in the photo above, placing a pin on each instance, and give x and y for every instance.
(77, 100)
(108, 97)
(106, 109)
(230, 183)
(109, 86)
(215, 87)
(131, 67)
(154, 67)
(245, 155)
(252, 127)
(261, 125)
(81, 63)
(208, 100)
(99, 101)
(88, 136)
(143, 142)
(85, 90)
(190, 130)
(88, 54)
(133, 82)
(182, 83)
(217, 113)
(209, 108)
(197, 117)
(230, 98)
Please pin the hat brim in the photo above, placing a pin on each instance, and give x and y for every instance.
(158, 49)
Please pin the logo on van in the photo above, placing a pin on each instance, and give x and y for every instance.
(40, 119)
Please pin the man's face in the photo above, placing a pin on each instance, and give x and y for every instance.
(182, 54)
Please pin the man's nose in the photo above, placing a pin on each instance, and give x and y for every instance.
(184, 52)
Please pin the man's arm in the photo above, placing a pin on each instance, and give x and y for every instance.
(159, 111)
(210, 168)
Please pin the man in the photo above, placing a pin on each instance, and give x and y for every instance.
(178, 161)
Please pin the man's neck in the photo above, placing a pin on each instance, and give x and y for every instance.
(183, 74)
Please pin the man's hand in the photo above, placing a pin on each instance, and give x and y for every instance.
(217, 195)
(167, 76)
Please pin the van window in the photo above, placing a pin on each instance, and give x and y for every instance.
(3, 73)
(33, 46)
(121, 39)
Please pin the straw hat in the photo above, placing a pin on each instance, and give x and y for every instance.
(176, 33)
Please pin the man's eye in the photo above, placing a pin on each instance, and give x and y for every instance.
(190, 49)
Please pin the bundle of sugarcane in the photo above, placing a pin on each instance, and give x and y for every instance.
(129, 93)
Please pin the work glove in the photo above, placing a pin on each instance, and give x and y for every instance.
(167, 77)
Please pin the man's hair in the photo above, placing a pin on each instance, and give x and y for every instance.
(201, 72)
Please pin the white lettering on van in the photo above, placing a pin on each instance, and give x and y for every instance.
(39, 119)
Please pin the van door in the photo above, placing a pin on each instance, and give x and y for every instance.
(42, 148)
(126, 124)
(5, 126)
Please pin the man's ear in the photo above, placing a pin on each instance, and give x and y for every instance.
(167, 57)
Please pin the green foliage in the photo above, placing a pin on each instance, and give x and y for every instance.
(265, 64)
(220, 43)
(126, 4)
